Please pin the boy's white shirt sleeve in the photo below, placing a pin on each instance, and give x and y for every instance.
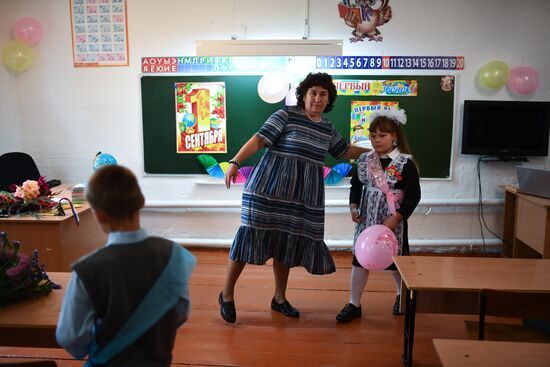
(76, 318)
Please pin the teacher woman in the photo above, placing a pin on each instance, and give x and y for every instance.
(283, 203)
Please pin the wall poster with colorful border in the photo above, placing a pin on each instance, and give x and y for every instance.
(99, 33)
(360, 87)
(360, 120)
(200, 117)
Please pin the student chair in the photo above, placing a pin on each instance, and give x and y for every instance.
(508, 304)
(16, 168)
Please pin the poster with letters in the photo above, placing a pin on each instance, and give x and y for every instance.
(361, 112)
(99, 30)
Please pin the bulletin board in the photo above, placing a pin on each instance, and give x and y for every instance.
(429, 128)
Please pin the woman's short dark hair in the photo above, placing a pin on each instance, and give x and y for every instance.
(322, 80)
(115, 191)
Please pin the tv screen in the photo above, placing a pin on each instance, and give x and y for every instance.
(506, 128)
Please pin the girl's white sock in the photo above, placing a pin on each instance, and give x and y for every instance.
(359, 277)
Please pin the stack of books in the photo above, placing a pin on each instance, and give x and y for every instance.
(78, 194)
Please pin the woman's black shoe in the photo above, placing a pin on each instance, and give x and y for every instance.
(285, 308)
(397, 306)
(348, 313)
(227, 310)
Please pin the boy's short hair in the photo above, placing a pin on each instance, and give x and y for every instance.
(115, 191)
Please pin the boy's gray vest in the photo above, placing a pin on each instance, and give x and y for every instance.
(117, 278)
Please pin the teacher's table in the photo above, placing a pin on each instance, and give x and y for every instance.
(31, 322)
(482, 353)
(58, 239)
(451, 285)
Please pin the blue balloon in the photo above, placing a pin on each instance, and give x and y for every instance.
(103, 159)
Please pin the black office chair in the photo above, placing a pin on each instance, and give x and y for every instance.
(16, 168)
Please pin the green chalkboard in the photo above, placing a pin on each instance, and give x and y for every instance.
(429, 128)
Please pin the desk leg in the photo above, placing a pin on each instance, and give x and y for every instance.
(408, 337)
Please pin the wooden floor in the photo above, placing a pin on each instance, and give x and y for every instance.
(261, 337)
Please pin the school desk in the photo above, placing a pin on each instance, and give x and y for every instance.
(526, 225)
(482, 353)
(450, 285)
(31, 322)
(58, 239)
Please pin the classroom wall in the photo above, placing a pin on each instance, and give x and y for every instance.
(63, 115)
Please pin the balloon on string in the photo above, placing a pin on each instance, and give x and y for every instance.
(28, 30)
(494, 74)
(291, 99)
(375, 247)
(273, 87)
(523, 80)
(18, 56)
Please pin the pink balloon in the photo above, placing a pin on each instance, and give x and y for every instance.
(375, 247)
(28, 30)
(523, 80)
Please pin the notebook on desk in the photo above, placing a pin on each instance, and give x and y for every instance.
(534, 181)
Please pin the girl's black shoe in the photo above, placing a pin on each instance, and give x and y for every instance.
(348, 313)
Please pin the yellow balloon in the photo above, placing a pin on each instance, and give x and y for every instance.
(18, 56)
(494, 74)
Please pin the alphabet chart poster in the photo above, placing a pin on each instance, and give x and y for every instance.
(99, 29)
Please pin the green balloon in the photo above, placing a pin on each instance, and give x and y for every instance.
(494, 74)
(18, 56)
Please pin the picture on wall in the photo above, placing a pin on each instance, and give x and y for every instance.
(99, 30)
(361, 118)
(365, 17)
(200, 117)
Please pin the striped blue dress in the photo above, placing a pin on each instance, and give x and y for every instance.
(283, 205)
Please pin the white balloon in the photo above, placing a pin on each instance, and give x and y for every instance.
(273, 87)
(291, 99)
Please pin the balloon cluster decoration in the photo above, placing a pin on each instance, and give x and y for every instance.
(375, 247)
(521, 79)
(18, 54)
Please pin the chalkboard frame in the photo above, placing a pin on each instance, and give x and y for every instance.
(429, 129)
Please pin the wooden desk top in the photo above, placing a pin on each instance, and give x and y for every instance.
(535, 199)
(473, 273)
(474, 353)
(64, 191)
(38, 312)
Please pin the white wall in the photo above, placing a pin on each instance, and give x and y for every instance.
(63, 115)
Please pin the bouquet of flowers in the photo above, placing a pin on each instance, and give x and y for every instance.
(31, 197)
(19, 276)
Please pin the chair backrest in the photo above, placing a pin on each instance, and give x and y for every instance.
(524, 305)
(15, 168)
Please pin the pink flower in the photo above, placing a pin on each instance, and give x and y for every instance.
(28, 191)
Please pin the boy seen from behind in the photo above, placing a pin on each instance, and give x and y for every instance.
(125, 301)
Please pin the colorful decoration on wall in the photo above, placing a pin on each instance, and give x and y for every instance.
(335, 174)
(365, 16)
(447, 83)
(18, 54)
(217, 170)
(360, 120)
(331, 176)
(99, 30)
(200, 117)
(494, 74)
(345, 87)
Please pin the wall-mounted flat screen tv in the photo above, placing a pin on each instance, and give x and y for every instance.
(506, 128)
